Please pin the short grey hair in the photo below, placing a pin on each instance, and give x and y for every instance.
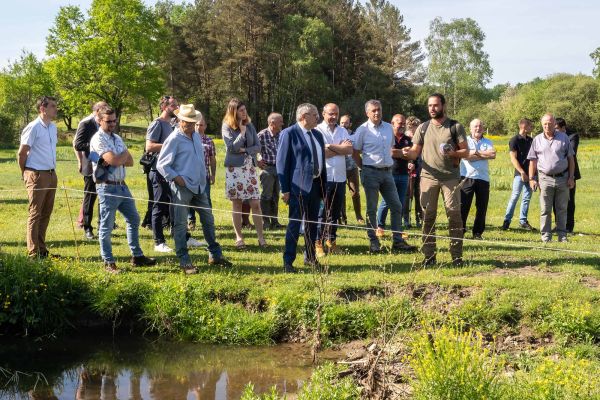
(372, 102)
(305, 108)
(273, 116)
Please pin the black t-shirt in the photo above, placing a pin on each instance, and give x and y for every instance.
(521, 145)
(400, 166)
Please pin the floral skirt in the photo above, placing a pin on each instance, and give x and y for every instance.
(241, 183)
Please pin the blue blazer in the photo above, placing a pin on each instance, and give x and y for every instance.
(294, 161)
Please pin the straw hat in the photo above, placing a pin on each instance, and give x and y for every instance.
(188, 113)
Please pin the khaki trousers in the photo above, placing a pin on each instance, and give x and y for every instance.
(41, 189)
(430, 192)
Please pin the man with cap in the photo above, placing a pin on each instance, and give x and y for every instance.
(181, 163)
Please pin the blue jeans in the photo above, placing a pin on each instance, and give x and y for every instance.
(401, 182)
(517, 187)
(113, 198)
(191, 211)
(184, 198)
(331, 211)
(375, 181)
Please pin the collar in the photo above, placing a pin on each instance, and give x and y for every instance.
(104, 133)
(372, 125)
(43, 123)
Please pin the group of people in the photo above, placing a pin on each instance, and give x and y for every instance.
(309, 164)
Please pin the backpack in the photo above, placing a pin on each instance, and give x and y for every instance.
(453, 133)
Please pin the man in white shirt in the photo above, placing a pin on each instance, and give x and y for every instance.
(37, 161)
(337, 146)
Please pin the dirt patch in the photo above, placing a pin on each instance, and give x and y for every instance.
(590, 282)
(356, 294)
(525, 340)
(528, 270)
(438, 298)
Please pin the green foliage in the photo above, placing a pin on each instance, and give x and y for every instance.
(8, 131)
(491, 311)
(575, 321)
(451, 364)
(596, 58)
(249, 394)
(326, 385)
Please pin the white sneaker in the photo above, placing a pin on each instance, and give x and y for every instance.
(195, 243)
(163, 248)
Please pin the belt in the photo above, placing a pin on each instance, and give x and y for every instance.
(39, 170)
(560, 174)
(378, 168)
(111, 182)
(270, 165)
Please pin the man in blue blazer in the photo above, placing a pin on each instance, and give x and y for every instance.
(302, 175)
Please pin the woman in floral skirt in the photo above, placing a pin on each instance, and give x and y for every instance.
(241, 182)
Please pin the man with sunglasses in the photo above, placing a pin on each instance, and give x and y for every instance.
(109, 157)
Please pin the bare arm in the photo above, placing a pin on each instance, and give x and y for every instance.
(571, 178)
(532, 172)
(411, 153)
(357, 158)
(153, 147)
(342, 149)
(124, 158)
(462, 152)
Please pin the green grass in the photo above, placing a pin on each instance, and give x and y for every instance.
(511, 286)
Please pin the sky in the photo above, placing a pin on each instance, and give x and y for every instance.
(525, 39)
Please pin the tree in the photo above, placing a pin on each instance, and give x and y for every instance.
(23, 81)
(112, 55)
(457, 61)
(596, 57)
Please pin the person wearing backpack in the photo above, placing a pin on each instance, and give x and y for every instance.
(442, 143)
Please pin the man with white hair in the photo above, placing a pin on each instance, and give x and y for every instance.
(181, 163)
(302, 175)
(475, 175)
(269, 195)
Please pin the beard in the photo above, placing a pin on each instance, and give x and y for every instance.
(436, 114)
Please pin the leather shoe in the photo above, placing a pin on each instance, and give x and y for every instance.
(458, 262)
(375, 247)
(525, 225)
(189, 269)
(89, 235)
(403, 247)
(111, 267)
(222, 261)
(289, 269)
(142, 261)
(428, 262)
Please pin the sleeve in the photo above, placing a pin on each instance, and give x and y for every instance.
(79, 142)
(213, 148)
(255, 148)
(101, 146)
(359, 138)
(261, 140)
(532, 155)
(282, 162)
(28, 135)
(461, 136)
(233, 145)
(166, 158)
(418, 137)
(570, 150)
(512, 145)
(154, 131)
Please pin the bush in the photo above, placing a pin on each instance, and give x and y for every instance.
(8, 131)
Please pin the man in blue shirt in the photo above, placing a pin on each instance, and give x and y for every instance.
(475, 175)
(374, 139)
(181, 163)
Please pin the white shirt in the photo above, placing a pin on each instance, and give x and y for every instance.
(336, 165)
(317, 146)
(41, 139)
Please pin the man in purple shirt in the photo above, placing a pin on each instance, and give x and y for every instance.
(551, 156)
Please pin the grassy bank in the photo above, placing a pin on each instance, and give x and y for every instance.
(535, 308)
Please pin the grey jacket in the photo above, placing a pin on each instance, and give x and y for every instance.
(234, 142)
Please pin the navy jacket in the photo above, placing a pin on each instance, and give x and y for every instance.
(294, 161)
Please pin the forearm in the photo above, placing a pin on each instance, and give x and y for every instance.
(341, 149)
(532, 168)
(22, 159)
(357, 158)
(153, 147)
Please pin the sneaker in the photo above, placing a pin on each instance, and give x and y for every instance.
(142, 261)
(458, 262)
(563, 239)
(332, 247)
(428, 262)
(191, 225)
(375, 247)
(546, 240)
(189, 269)
(111, 267)
(379, 232)
(89, 234)
(360, 221)
(505, 225)
(525, 225)
(162, 248)
(222, 261)
(319, 251)
(477, 236)
(289, 269)
(191, 242)
(403, 247)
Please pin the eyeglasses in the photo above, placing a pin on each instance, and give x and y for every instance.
(110, 121)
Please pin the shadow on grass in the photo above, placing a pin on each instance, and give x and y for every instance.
(14, 201)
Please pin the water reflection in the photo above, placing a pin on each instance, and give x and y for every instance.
(92, 369)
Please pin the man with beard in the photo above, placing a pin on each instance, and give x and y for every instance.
(441, 142)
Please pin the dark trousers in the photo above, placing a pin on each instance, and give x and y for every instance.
(353, 182)
(160, 208)
(330, 213)
(269, 196)
(148, 216)
(413, 194)
(571, 210)
(307, 208)
(481, 190)
(89, 198)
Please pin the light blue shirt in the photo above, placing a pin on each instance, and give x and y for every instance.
(103, 142)
(182, 156)
(41, 139)
(478, 169)
(375, 142)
